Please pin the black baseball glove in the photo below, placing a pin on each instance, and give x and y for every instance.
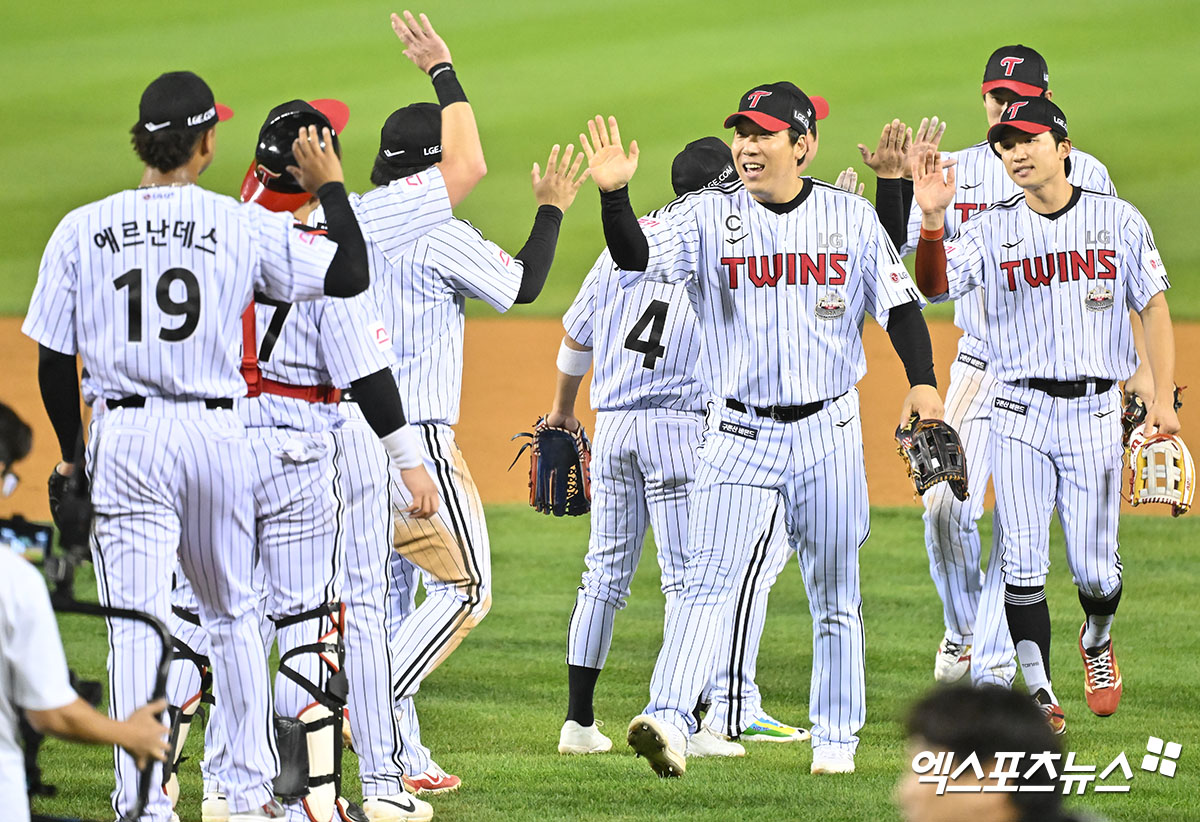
(71, 507)
(560, 479)
(933, 453)
(1134, 413)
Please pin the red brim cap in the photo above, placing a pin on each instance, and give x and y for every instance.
(335, 111)
(1023, 89)
(765, 120)
(223, 112)
(1020, 125)
(820, 107)
(253, 191)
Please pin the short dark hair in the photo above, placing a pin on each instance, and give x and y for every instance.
(986, 721)
(794, 134)
(165, 150)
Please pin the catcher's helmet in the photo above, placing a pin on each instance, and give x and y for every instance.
(268, 181)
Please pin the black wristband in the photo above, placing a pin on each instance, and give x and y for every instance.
(910, 337)
(445, 83)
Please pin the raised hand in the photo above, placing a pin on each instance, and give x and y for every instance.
(610, 167)
(932, 191)
(316, 161)
(848, 181)
(422, 44)
(888, 158)
(562, 181)
(928, 137)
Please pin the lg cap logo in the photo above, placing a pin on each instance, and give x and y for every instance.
(755, 96)
(1010, 63)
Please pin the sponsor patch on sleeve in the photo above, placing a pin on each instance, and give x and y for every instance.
(383, 340)
(1152, 262)
(898, 274)
(648, 222)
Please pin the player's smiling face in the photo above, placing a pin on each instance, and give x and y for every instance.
(1032, 160)
(767, 161)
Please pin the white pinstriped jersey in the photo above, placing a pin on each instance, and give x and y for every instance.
(327, 342)
(646, 340)
(1055, 289)
(148, 286)
(980, 181)
(422, 295)
(780, 298)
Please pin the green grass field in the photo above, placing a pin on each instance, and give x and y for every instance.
(492, 712)
(1123, 70)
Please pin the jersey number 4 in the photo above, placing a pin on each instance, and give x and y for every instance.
(653, 318)
(188, 308)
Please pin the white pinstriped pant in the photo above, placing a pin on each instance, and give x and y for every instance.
(169, 480)
(815, 467)
(643, 463)
(452, 551)
(972, 603)
(362, 471)
(1063, 454)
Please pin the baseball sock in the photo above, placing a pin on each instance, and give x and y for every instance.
(1029, 623)
(581, 689)
(1099, 618)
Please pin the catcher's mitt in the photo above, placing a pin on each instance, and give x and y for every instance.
(1134, 413)
(1163, 471)
(933, 453)
(560, 470)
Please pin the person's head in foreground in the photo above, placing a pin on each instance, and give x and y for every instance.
(982, 722)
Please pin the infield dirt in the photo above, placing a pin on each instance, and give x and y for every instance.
(508, 382)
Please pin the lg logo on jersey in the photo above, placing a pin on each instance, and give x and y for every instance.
(1092, 239)
(822, 269)
(1041, 270)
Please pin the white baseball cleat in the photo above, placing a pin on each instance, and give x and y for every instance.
(214, 808)
(832, 760)
(662, 745)
(953, 661)
(397, 807)
(582, 739)
(706, 742)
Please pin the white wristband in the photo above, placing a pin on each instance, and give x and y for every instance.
(403, 447)
(573, 363)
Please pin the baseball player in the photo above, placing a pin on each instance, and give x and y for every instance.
(647, 429)
(781, 271)
(147, 286)
(976, 637)
(34, 679)
(1056, 265)
(296, 359)
(422, 294)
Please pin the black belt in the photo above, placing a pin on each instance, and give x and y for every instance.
(135, 401)
(781, 413)
(1069, 389)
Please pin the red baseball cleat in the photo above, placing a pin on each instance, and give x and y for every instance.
(1102, 677)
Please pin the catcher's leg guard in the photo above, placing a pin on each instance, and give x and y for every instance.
(321, 719)
(181, 715)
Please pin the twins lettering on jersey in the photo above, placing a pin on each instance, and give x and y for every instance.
(767, 270)
(1068, 265)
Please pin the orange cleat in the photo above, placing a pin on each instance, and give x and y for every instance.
(1102, 677)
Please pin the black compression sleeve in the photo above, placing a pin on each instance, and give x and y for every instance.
(537, 255)
(910, 338)
(379, 400)
(889, 205)
(347, 274)
(59, 382)
(624, 236)
(906, 198)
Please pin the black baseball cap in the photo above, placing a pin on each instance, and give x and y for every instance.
(1018, 68)
(780, 106)
(179, 101)
(1032, 115)
(411, 137)
(702, 163)
(267, 181)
